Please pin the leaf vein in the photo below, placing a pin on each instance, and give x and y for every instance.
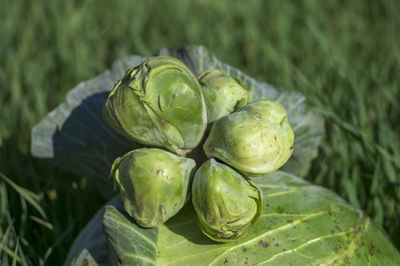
(137, 232)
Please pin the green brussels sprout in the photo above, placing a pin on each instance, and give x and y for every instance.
(257, 139)
(154, 184)
(158, 103)
(225, 202)
(222, 94)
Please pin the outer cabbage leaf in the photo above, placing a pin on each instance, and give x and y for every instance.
(301, 224)
(129, 244)
(84, 258)
(75, 137)
(113, 237)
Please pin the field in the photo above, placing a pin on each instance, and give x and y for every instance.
(343, 55)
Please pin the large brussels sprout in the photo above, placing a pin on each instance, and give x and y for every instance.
(225, 202)
(154, 184)
(222, 94)
(257, 139)
(159, 103)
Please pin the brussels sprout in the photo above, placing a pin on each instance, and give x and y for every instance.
(222, 94)
(159, 103)
(225, 202)
(154, 184)
(257, 139)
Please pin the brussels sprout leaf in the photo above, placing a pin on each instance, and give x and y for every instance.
(75, 137)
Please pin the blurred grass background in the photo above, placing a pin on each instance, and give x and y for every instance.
(344, 55)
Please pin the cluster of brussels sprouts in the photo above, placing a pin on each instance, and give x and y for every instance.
(160, 103)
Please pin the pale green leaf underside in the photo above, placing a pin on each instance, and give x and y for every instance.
(75, 137)
(301, 224)
(84, 259)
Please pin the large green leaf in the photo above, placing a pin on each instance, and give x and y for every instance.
(301, 224)
(129, 243)
(75, 137)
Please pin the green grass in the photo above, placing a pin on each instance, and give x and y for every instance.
(344, 55)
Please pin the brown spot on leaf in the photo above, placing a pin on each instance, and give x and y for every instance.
(336, 250)
(263, 244)
(371, 250)
(161, 210)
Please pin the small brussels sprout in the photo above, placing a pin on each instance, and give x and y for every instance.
(222, 94)
(158, 103)
(257, 139)
(154, 184)
(225, 202)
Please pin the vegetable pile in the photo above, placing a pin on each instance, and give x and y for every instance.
(299, 223)
(206, 138)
